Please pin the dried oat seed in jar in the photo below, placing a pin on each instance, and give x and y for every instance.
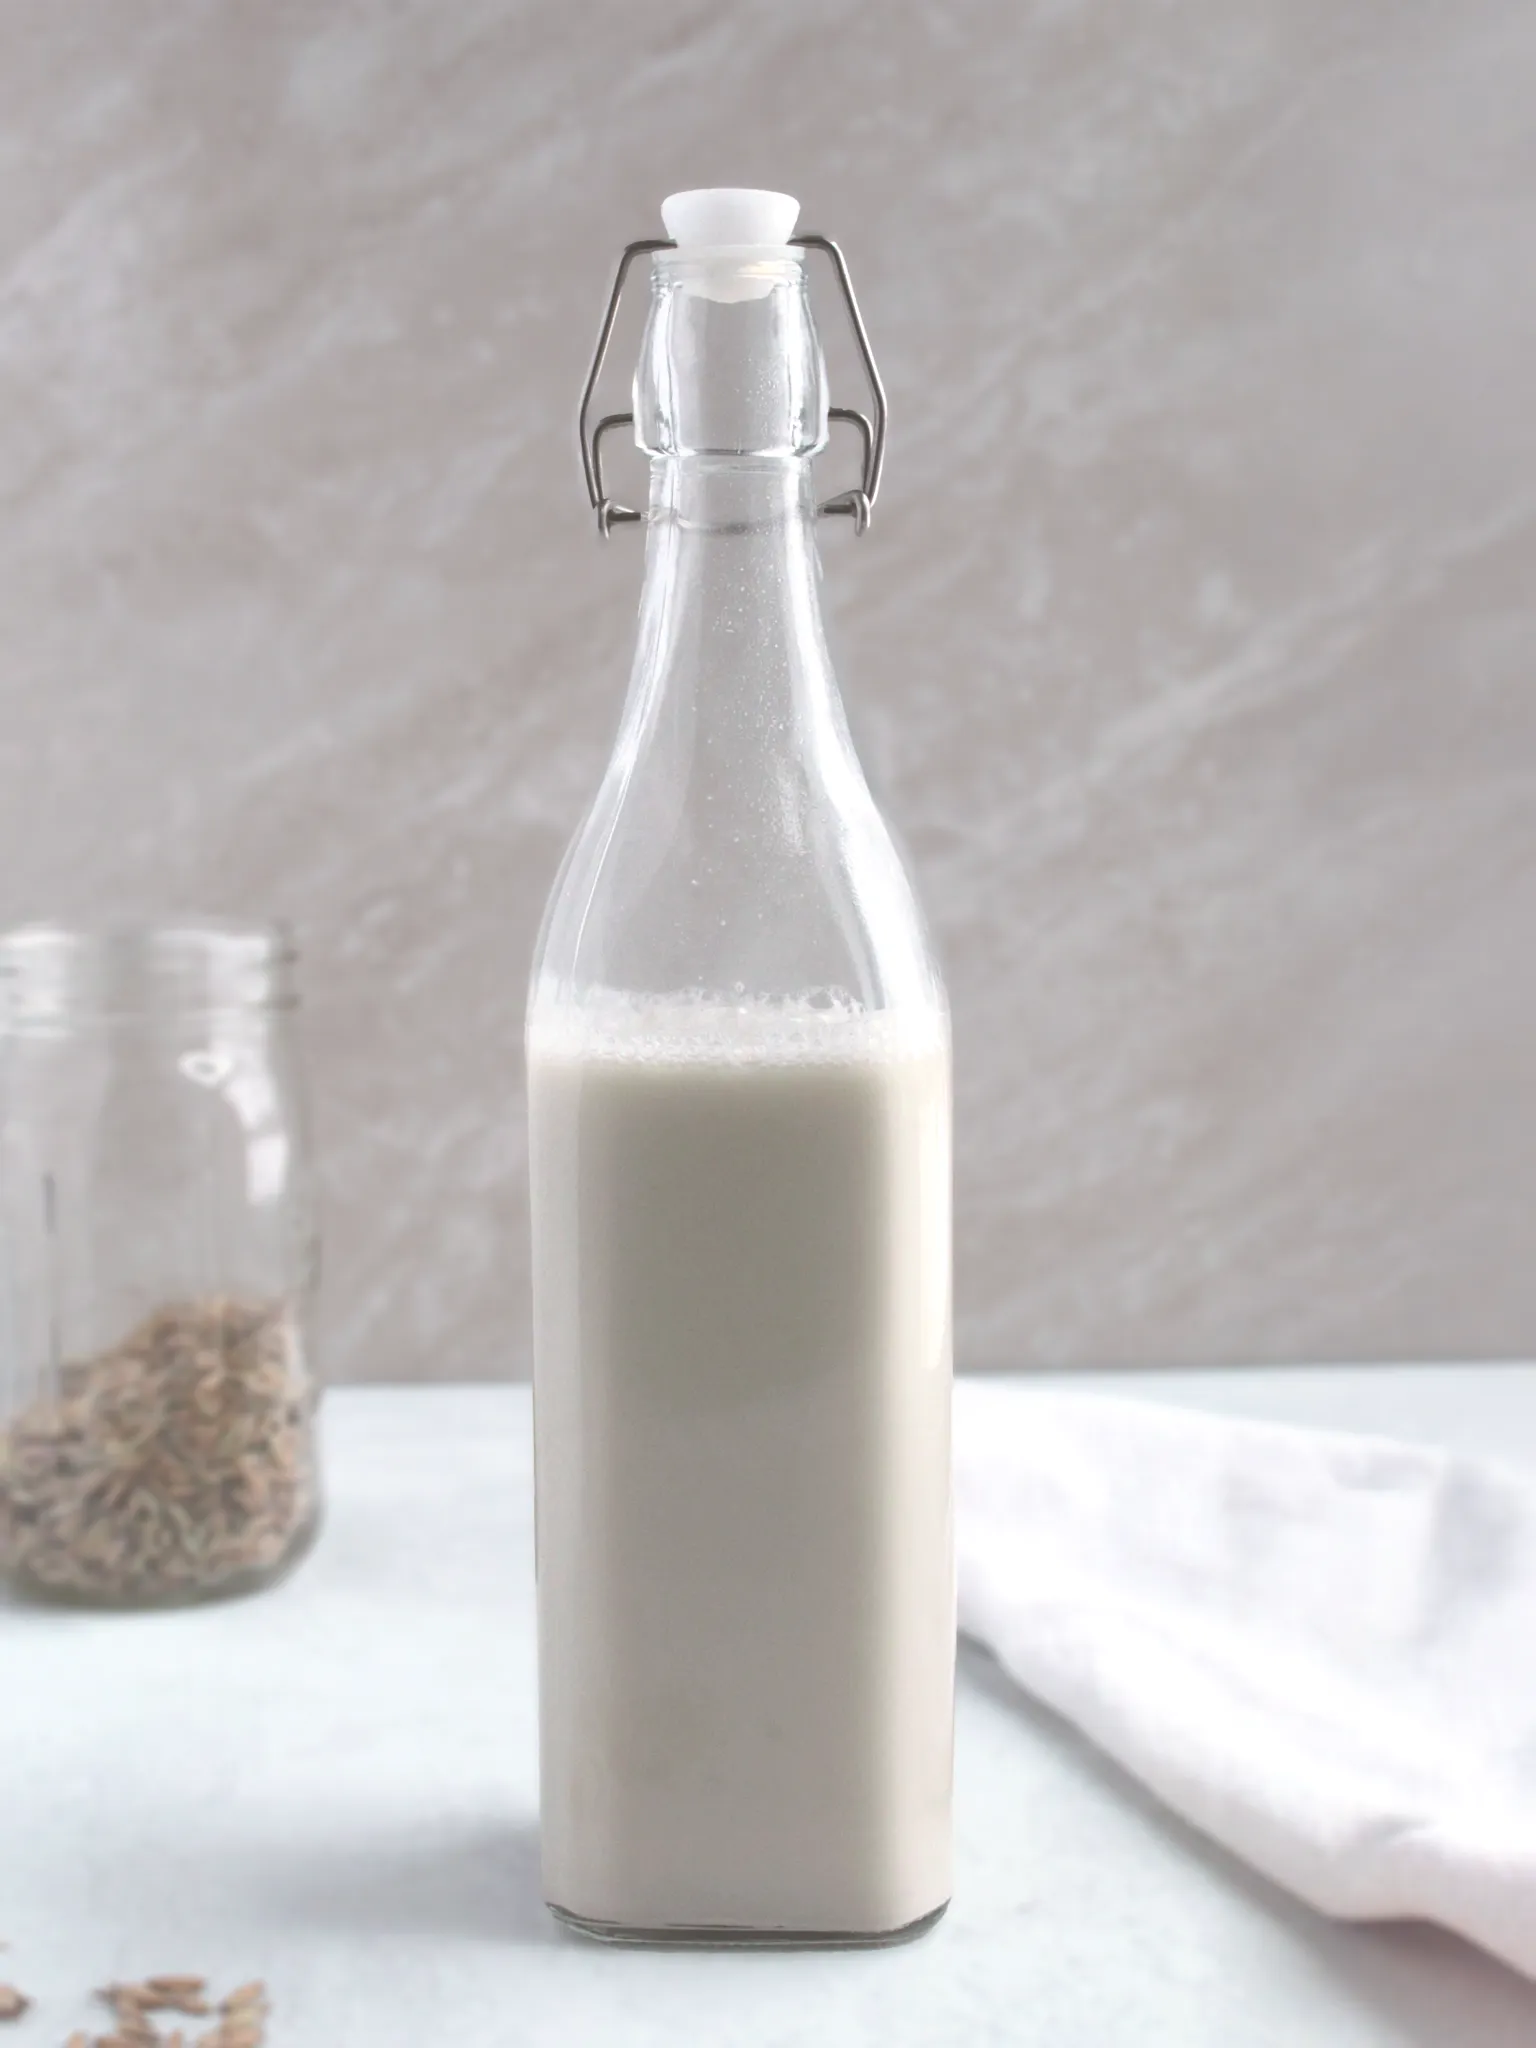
(158, 1261)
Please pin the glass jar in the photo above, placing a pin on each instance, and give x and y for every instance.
(158, 1263)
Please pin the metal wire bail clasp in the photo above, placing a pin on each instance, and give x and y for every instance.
(855, 504)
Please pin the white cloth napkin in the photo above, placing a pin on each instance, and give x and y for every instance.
(1319, 1649)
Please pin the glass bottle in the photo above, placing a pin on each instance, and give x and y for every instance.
(738, 1051)
(158, 1258)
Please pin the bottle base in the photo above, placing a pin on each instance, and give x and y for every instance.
(622, 1936)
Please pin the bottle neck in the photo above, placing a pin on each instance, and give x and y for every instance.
(730, 367)
(730, 403)
(732, 663)
(733, 849)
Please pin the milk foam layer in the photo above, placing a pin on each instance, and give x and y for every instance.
(822, 1025)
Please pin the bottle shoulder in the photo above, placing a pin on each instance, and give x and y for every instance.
(734, 844)
(801, 896)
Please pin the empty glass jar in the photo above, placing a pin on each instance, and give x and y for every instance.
(158, 1262)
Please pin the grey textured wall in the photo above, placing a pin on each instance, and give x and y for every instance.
(1193, 647)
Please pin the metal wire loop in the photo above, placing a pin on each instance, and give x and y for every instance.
(873, 436)
(855, 504)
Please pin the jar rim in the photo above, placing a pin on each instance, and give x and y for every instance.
(53, 972)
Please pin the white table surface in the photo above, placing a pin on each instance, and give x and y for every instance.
(333, 1786)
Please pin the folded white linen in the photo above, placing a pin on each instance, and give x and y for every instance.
(1319, 1649)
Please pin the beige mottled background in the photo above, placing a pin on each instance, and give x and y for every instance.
(1194, 646)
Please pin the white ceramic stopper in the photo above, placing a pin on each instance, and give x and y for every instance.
(725, 227)
(729, 217)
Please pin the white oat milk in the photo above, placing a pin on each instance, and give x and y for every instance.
(745, 1575)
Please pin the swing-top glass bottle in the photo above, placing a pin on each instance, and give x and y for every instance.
(738, 1053)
